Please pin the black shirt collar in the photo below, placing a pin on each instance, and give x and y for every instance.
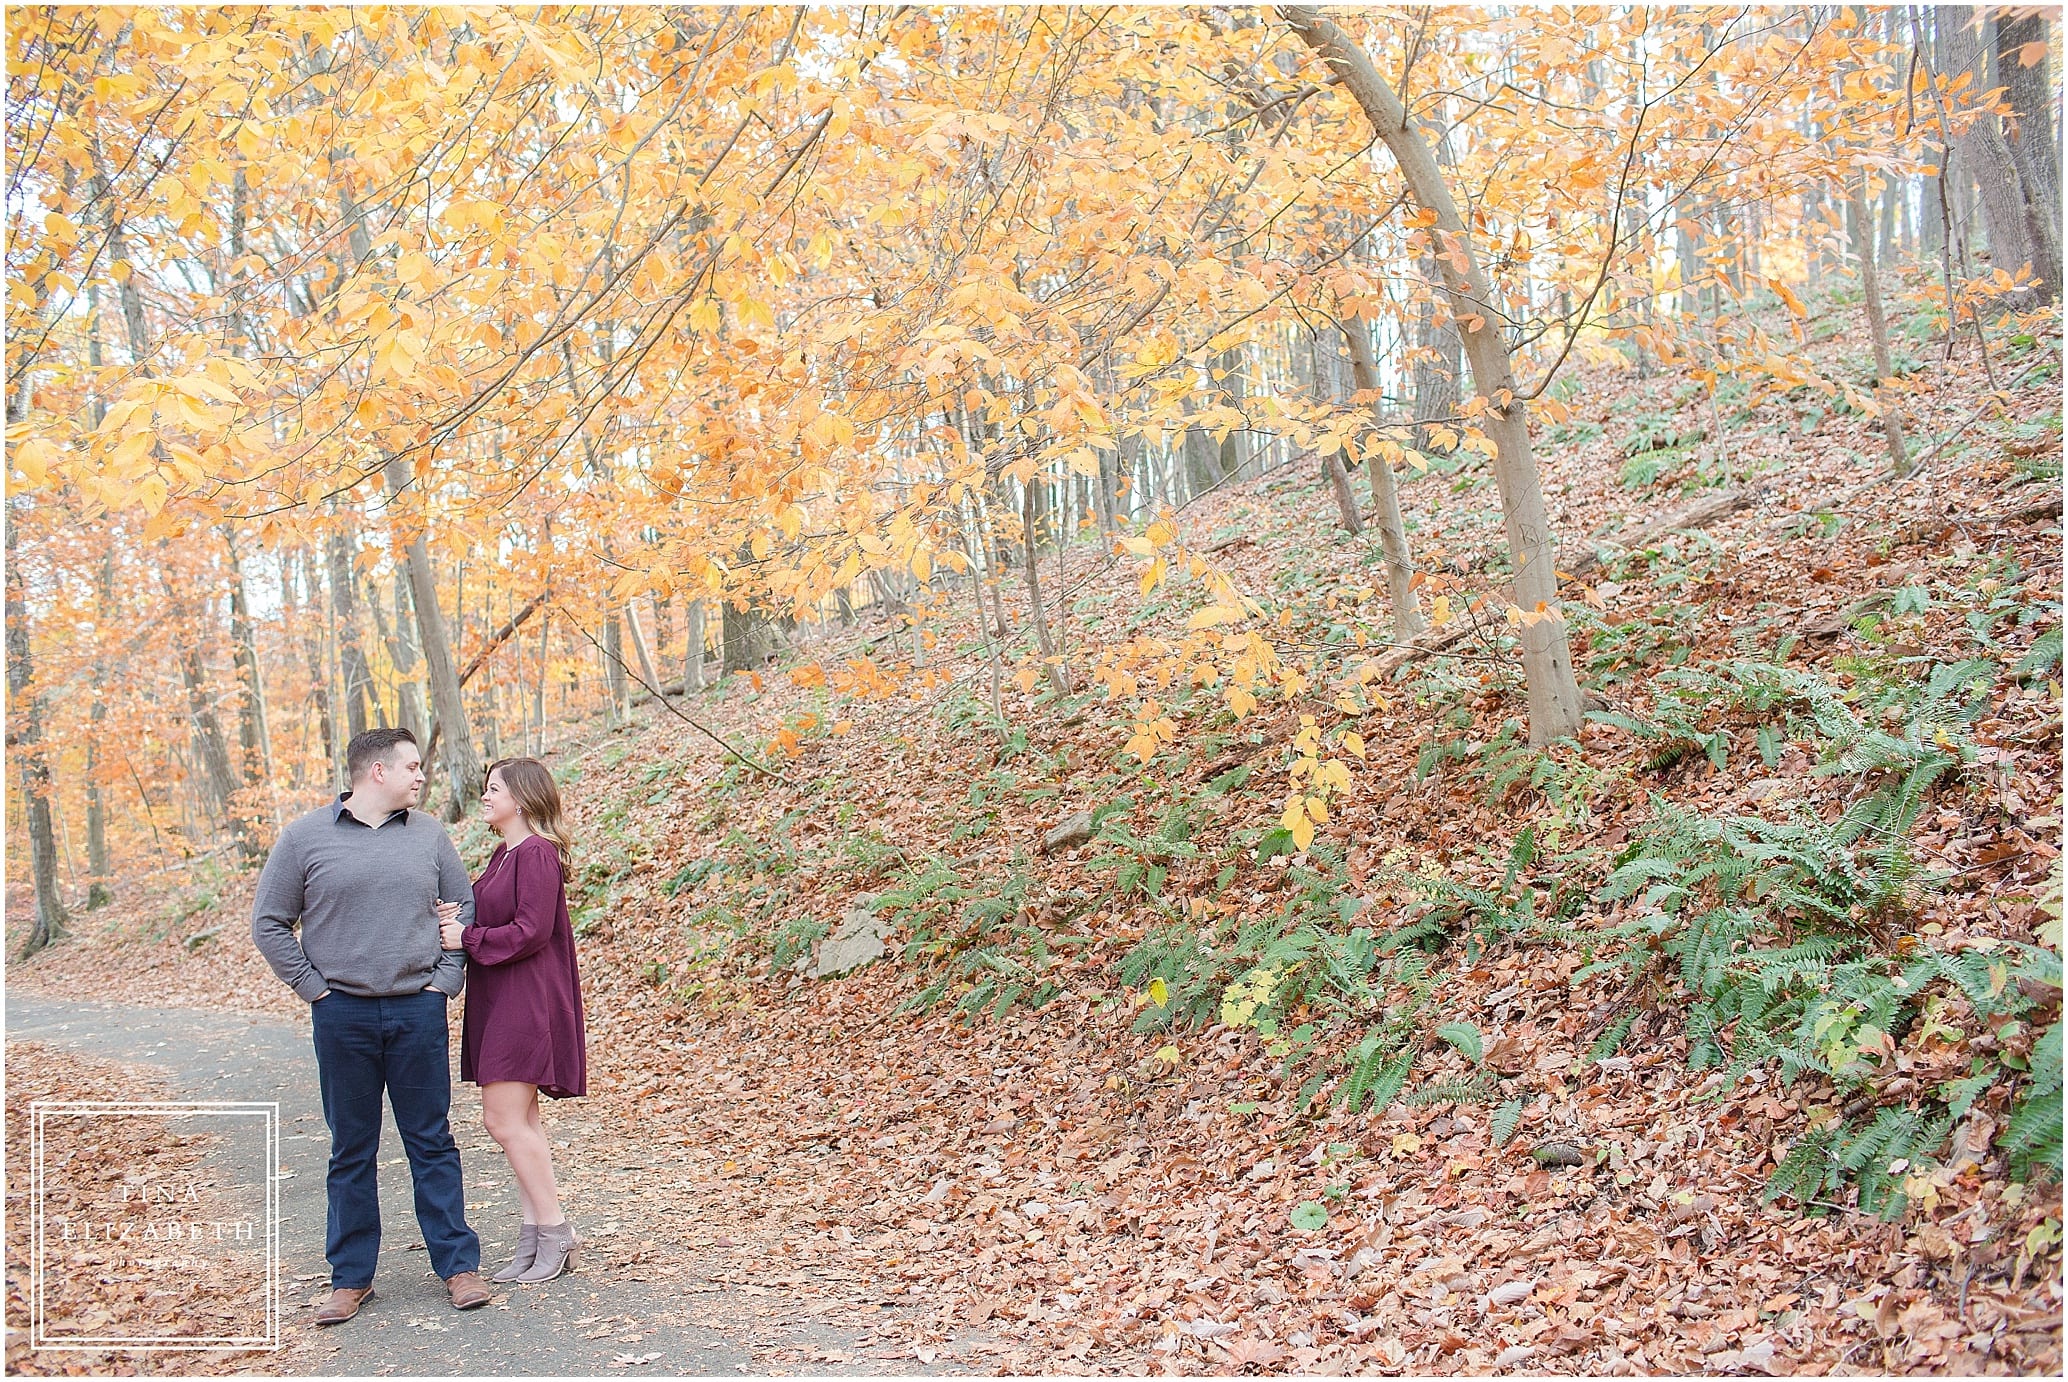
(339, 813)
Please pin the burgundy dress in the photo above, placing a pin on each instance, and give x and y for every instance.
(523, 1018)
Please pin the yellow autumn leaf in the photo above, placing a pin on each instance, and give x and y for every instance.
(1153, 576)
(32, 458)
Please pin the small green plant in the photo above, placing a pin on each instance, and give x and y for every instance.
(1772, 925)
(1477, 1088)
(794, 938)
(1140, 865)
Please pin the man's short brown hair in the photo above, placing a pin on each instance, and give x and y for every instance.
(369, 747)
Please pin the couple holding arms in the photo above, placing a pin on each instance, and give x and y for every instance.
(365, 910)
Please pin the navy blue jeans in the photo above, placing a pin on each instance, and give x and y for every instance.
(365, 1045)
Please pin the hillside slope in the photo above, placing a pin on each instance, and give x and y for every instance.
(1501, 1070)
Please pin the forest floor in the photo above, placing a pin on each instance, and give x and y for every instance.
(1023, 1142)
(708, 1287)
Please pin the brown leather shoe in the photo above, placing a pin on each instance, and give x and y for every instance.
(344, 1303)
(467, 1290)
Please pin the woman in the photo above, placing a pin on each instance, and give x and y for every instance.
(522, 1031)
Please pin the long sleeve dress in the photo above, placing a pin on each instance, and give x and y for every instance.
(523, 1018)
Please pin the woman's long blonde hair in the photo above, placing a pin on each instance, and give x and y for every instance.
(531, 785)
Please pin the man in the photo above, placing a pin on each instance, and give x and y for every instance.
(362, 877)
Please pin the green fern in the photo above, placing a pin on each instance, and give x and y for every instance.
(2042, 657)
(1810, 1168)
(1376, 1074)
(1611, 1037)
(1897, 1141)
(1762, 919)
(1479, 1089)
(2033, 1137)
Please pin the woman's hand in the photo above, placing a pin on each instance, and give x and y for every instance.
(449, 927)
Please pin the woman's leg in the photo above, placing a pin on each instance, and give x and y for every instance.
(509, 1109)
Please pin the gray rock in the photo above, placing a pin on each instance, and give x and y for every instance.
(1074, 831)
(1559, 1153)
(857, 941)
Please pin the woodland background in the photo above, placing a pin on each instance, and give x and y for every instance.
(1391, 631)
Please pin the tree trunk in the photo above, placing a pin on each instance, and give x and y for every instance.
(1554, 692)
(994, 565)
(253, 740)
(615, 682)
(344, 604)
(1691, 264)
(1058, 675)
(640, 648)
(538, 694)
(2008, 216)
(2030, 138)
(312, 649)
(1931, 225)
(1439, 362)
(1346, 498)
(693, 649)
(399, 634)
(1862, 218)
(491, 726)
(1106, 497)
(744, 635)
(25, 747)
(216, 779)
(1439, 367)
(1202, 457)
(1393, 548)
(462, 757)
(1234, 448)
(100, 871)
(1956, 224)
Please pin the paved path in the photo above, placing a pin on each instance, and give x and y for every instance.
(699, 1314)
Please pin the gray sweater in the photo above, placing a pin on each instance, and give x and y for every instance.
(363, 898)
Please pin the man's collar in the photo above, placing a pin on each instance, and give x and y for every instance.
(339, 811)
